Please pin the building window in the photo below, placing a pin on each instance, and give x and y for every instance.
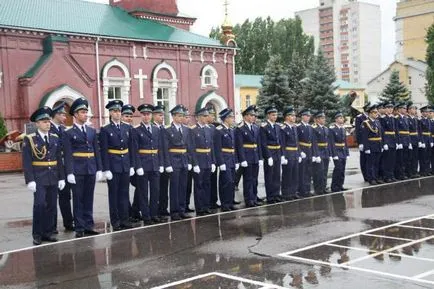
(248, 101)
(164, 88)
(114, 92)
(409, 80)
(163, 98)
(209, 77)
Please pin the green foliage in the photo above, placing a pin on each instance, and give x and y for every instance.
(429, 87)
(395, 90)
(3, 129)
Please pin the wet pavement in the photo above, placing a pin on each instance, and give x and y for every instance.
(377, 237)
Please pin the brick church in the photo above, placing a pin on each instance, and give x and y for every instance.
(139, 51)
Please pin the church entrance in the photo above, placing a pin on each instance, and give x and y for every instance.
(212, 99)
(69, 119)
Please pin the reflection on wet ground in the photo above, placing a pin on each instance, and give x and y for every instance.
(246, 244)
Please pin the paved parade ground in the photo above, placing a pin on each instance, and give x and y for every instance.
(374, 237)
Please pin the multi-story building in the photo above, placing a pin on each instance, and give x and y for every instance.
(349, 34)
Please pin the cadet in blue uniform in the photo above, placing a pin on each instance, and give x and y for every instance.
(372, 144)
(43, 173)
(58, 128)
(226, 159)
(358, 131)
(176, 162)
(321, 153)
(413, 128)
(403, 142)
(149, 147)
(431, 118)
(305, 138)
(248, 143)
(83, 167)
(339, 152)
(202, 157)
(272, 153)
(118, 164)
(186, 124)
(213, 124)
(425, 139)
(388, 134)
(290, 155)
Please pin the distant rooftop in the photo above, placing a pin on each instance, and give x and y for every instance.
(247, 80)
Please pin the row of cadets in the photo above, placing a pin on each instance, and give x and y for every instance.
(425, 127)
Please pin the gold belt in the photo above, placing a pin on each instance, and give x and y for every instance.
(389, 133)
(291, 148)
(322, 144)
(274, 147)
(305, 144)
(228, 150)
(118, 152)
(340, 144)
(148, 152)
(250, 146)
(426, 133)
(404, 132)
(44, 164)
(374, 138)
(83, 155)
(413, 133)
(178, 151)
(203, 151)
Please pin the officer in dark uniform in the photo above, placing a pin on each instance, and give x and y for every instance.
(305, 138)
(186, 124)
(431, 118)
(338, 151)
(381, 115)
(127, 113)
(43, 173)
(372, 144)
(58, 128)
(213, 124)
(226, 159)
(321, 153)
(118, 162)
(149, 147)
(176, 162)
(413, 128)
(388, 134)
(248, 143)
(83, 167)
(358, 131)
(404, 145)
(425, 139)
(272, 153)
(202, 155)
(290, 155)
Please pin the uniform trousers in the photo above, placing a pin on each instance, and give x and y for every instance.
(290, 179)
(44, 205)
(338, 176)
(227, 187)
(82, 200)
(118, 189)
(148, 187)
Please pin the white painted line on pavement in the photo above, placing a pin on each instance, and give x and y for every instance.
(415, 227)
(387, 237)
(425, 274)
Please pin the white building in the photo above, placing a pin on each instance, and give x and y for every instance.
(349, 33)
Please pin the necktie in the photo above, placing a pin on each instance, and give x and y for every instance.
(180, 131)
(251, 129)
(118, 127)
(84, 132)
(46, 140)
(149, 129)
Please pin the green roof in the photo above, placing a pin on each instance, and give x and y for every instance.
(93, 19)
(342, 84)
(246, 80)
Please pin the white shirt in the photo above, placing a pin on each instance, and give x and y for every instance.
(147, 126)
(305, 124)
(43, 135)
(81, 127)
(177, 126)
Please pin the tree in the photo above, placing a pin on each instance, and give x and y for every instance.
(3, 129)
(318, 89)
(296, 72)
(395, 90)
(275, 90)
(429, 87)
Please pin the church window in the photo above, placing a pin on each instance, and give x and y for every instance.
(209, 77)
(163, 99)
(114, 92)
(248, 101)
(164, 87)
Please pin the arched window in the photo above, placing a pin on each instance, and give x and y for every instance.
(209, 77)
(248, 101)
(164, 87)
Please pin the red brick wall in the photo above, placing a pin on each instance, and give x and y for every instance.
(11, 162)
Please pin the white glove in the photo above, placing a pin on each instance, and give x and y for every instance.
(336, 158)
(300, 159)
(237, 166)
(132, 172)
(270, 162)
(410, 147)
(303, 155)
(314, 159)
(361, 147)
(420, 145)
(189, 167)
(382, 150)
(368, 152)
(99, 176)
(244, 164)
(318, 160)
(431, 144)
(71, 179)
(283, 160)
(61, 184)
(400, 146)
(196, 169)
(424, 145)
(169, 170)
(31, 186)
(348, 157)
(140, 172)
(213, 168)
(222, 167)
(161, 170)
(108, 175)
(386, 147)
(261, 163)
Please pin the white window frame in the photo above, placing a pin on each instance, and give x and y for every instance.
(170, 84)
(213, 74)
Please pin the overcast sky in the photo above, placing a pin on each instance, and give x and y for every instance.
(210, 13)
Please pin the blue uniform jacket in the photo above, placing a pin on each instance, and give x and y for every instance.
(320, 142)
(117, 148)
(148, 148)
(338, 142)
(270, 140)
(224, 146)
(289, 140)
(388, 131)
(48, 170)
(82, 154)
(305, 138)
(414, 130)
(402, 130)
(425, 130)
(202, 147)
(58, 131)
(358, 126)
(371, 136)
(173, 142)
(248, 144)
